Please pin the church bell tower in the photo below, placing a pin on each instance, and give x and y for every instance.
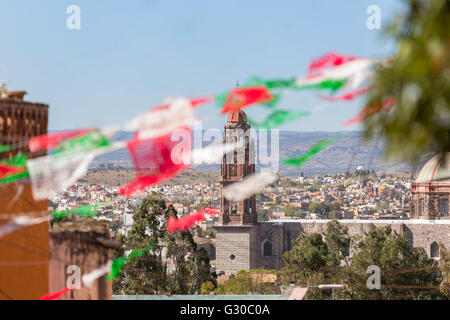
(237, 236)
(235, 167)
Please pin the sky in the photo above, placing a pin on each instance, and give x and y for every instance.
(129, 56)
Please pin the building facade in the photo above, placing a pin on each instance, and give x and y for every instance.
(431, 191)
(23, 254)
(77, 248)
(243, 243)
(237, 232)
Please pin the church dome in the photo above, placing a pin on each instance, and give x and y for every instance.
(237, 116)
(436, 170)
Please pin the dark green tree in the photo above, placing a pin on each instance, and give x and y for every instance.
(339, 242)
(309, 254)
(118, 282)
(246, 282)
(417, 76)
(147, 274)
(311, 262)
(406, 273)
(175, 266)
(190, 266)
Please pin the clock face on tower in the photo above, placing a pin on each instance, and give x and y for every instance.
(235, 167)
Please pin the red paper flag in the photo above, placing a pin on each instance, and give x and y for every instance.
(331, 59)
(195, 102)
(6, 170)
(51, 140)
(199, 101)
(347, 96)
(184, 223)
(155, 160)
(370, 110)
(55, 295)
(243, 97)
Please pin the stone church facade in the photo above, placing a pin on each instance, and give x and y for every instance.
(243, 243)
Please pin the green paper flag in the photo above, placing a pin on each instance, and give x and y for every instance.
(15, 177)
(85, 143)
(326, 84)
(272, 83)
(278, 118)
(19, 160)
(87, 211)
(119, 262)
(274, 101)
(291, 83)
(116, 267)
(310, 153)
(4, 148)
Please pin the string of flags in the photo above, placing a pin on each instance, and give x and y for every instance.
(386, 105)
(20, 222)
(187, 221)
(56, 295)
(118, 263)
(249, 186)
(316, 148)
(72, 151)
(152, 149)
(156, 158)
(89, 278)
(112, 268)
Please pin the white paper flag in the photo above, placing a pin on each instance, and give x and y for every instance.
(212, 154)
(161, 122)
(52, 174)
(249, 186)
(20, 222)
(89, 278)
(354, 71)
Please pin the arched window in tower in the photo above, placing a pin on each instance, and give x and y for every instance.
(247, 149)
(267, 248)
(434, 250)
(422, 207)
(233, 207)
(443, 207)
(235, 140)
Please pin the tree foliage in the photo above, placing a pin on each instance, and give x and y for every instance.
(175, 266)
(406, 273)
(418, 77)
(245, 282)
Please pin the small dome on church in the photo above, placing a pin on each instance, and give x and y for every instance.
(237, 116)
(436, 170)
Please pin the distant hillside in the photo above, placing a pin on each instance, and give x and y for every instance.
(122, 176)
(346, 154)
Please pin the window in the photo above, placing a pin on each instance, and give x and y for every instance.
(434, 250)
(346, 252)
(289, 241)
(267, 249)
(422, 207)
(443, 207)
(233, 207)
(235, 152)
